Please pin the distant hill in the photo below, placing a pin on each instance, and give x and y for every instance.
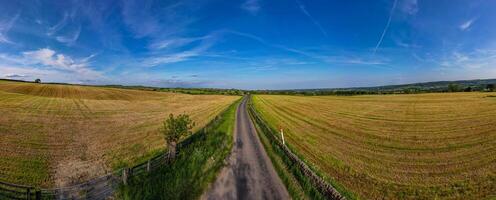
(436, 86)
(477, 84)
(192, 91)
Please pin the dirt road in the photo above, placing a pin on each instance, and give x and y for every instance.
(249, 173)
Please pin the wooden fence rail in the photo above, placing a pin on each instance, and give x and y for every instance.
(317, 182)
(97, 188)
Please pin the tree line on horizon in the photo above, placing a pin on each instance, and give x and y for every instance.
(483, 85)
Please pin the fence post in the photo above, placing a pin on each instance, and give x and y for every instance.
(148, 166)
(38, 195)
(124, 175)
(28, 193)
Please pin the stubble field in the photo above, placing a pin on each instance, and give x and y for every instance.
(56, 135)
(422, 146)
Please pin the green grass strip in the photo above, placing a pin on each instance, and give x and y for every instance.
(196, 166)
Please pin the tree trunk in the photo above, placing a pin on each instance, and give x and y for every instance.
(172, 150)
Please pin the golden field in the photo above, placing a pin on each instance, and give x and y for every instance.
(56, 135)
(420, 146)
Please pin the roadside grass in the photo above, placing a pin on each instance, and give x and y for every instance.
(422, 146)
(57, 135)
(299, 186)
(287, 174)
(200, 158)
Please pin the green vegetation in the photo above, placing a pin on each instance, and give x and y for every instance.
(200, 158)
(297, 185)
(486, 85)
(192, 91)
(56, 135)
(175, 128)
(420, 146)
(490, 87)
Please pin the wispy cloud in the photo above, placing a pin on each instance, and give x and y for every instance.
(466, 25)
(15, 76)
(264, 42)
(386, 27)
(156, 20)
(180, 83)
(48, 75)
(355, 60)
(167, 58)
(171, 58)
(252, 6)
(346, 58)
(478, 59)
(409, 7)
(174, 42)
(405, 44)
(5, 27)
(59, 25)
(272, 63)
(48, 64)
(70, 39)
(314, 21)
(51, 59)
(138, 17)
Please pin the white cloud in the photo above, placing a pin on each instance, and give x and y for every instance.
(355, 60)
(15, 76)
(252, 6)
(466, 25)
(50, 60)
(474, 60)
(49, 65)
(46, 75)
(5, 27)
(167, 58)
(405, 44)
(170, 58)
(174, 43)
(71, 39)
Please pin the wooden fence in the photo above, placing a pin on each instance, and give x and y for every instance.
(326, 189)
(97, 188)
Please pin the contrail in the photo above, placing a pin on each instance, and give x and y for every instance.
(314, 21)
(387, 26)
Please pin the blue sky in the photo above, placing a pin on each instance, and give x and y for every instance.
(248, 44)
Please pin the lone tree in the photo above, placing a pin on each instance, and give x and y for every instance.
(37, 80)
(453, 87)
(490, 87)
(173, 129)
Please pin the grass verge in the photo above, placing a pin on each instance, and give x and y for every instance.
(285, 173)
(200, 158)
(299, 186)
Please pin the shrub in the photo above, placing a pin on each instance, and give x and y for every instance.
(174, 128)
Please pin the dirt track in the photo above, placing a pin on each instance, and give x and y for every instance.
(249, 173)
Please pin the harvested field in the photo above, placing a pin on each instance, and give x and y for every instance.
(421, 146)
(55, 135)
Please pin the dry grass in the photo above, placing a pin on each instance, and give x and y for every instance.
(421, 146)
(53, 135)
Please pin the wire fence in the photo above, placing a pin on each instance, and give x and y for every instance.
(317, 182)
(102, 187)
